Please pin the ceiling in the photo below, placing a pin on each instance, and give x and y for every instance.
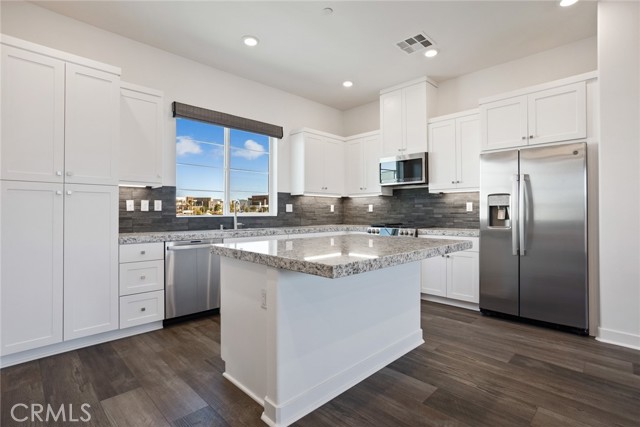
(309, 53)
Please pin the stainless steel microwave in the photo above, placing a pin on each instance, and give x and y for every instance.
(405, 169)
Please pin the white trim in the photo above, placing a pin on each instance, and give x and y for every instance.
(362, 135)
(620, 338)
(457, 115)
(63, 347)
(259, 401)
(315, 132)
(142, 89)
(311, 399)
(453, 302)
(423, 79)
(543, 86)
(58, 54)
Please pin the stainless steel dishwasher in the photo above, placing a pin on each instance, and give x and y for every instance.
(192, 279)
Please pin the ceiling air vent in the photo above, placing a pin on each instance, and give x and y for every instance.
(415, 43)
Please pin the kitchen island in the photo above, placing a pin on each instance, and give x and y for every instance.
(305, 319)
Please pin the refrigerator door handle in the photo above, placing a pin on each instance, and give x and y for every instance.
(522, 211)
(514, 214)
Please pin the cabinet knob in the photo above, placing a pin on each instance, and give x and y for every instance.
(59, 193)
(530, 136)
(524, 137)
(143, 252)
(69, 173)
(143, 309)
(453, 182)
(143, 277)
(58, 173)
(448, 256)
(69, 192)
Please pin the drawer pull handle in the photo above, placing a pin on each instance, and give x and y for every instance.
(143, 277)
(143, 309)
(143, 252)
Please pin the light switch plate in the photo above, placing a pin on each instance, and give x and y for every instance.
(370, 208)
(469, 206)
(332, 208)
(130, 206)
(144, 205)
(157, 205)
(288, 207)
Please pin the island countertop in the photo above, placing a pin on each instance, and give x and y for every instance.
(338, 256)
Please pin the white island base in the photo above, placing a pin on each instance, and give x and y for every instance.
(293, 341)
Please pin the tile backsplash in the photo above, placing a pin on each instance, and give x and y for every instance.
(414, 207)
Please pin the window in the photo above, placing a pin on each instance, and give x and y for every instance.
(216, 165)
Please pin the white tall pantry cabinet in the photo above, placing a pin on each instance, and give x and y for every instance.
(59, 212)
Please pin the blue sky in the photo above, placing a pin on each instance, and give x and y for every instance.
(200, 161)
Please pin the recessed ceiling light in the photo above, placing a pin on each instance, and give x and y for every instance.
(565, 3)
(347, 83)
(430, 53)
(250, 41)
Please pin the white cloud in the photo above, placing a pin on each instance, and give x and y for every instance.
(252, 150)
(186, 145)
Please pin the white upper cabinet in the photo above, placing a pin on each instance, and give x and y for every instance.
(60, 116)
(31, 287)
(91, 298)
(404, 110)
(362, 165)
(141, 143)
(317, 163)
(32, 116)
(454, 153)
(542, 116)
(91, 126)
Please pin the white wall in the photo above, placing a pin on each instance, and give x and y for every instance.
(462, 93)
(181, 79)
(363, 118)
(619, 68)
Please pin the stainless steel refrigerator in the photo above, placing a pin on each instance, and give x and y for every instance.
(533, 234)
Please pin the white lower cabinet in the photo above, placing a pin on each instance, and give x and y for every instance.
(59, 263)
(453, 277)
(141, 284)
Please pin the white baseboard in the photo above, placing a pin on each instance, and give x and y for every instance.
(449, 301)
(289, 412)
(249, 393)
(620, 338)
(63, 347)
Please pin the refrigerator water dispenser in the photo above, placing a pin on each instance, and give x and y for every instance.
(499, 215)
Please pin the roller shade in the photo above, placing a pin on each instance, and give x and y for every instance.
(226, 120)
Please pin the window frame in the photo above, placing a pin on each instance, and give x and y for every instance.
(272, 176)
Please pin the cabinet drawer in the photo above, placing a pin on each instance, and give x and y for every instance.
(138, 277)
(141, 308)
(141, 252)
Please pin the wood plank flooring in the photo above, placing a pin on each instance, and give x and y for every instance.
(471, 371)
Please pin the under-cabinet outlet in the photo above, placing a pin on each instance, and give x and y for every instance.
(144, 205)
(332, 208)
(157, 205)
(288, 207)
(370, 208)
(469, 206)
(130, 206)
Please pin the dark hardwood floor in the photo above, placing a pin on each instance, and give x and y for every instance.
(472, 371)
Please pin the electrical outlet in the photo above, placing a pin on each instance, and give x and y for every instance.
(144, 205)
(263, 304)
(370, 208)
(332, 208)
(157, 205)
(288, 207)
(288, 245)
(130, 206)
(469, 206)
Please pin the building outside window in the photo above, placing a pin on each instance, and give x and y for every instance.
(217, 165)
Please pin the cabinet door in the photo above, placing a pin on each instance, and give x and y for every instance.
(434, 276)
(504, 123)
(462, 276)
(90, 260)
(140, 137)
(468, 152)
(415, 118)
(442, 155)
(558, 114)
(333, 171)
(354, 167)
(391, 123)
(31, 282)
(313, 164)
(371, 153)
(32, 116)
(92, 126)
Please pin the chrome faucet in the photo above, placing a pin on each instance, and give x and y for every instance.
(236, 204)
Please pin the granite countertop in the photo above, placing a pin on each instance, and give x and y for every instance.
(339, 256)
(170, 236)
